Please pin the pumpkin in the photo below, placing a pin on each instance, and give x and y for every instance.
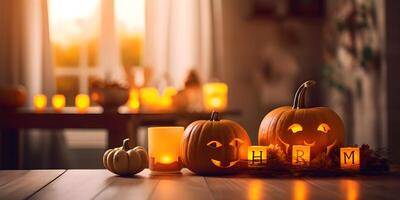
(12, 97)
(214, 146)
(318, 127)
(125, 161)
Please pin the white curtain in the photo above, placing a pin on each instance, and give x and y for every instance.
(180, 36)
(25, 59)
(109, 58)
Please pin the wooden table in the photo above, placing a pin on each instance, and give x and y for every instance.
(119, 125)
(102, 184)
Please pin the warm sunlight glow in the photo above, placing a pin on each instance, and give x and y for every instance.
(67, 19)
(130, 15)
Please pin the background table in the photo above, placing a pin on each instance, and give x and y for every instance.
(119, 125)
(102, 184)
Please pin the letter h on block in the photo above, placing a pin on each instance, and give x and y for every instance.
(300, 155)
(350, 158)
(257, 156)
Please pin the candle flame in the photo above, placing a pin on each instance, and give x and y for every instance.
(166, 159)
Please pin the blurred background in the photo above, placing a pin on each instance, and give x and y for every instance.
(261, 50)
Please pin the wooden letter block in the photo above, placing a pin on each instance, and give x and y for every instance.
(300, 155)
(350, 158)
(257, 156)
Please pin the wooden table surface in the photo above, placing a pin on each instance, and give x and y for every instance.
(101, 184)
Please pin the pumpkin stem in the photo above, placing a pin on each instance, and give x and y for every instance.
(299, 97)
(125, 144)
(214, 116)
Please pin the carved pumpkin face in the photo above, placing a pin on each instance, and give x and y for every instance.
(319, 127)
(214, 146)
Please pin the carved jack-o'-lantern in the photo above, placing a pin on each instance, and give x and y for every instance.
(318, 127)
(214, 146)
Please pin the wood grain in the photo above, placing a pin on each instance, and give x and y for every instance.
(265, 188)
(22, 184)
(137, 187)
(77, 184)
(184, 186)
(359, 187)
(101, 184)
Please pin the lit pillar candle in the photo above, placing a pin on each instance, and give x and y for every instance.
(165, 102)
(148, 98)
(164, 149)
(58, 102)
(82, 102)
(350, 158)
(215, 96)
(257, 156)
(40, 102)
(300, 155)
(133, 102)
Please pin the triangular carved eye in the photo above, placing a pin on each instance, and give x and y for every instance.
(324, 128)
(295, 128)
(214, 144)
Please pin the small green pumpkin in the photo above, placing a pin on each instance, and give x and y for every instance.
(125, 161)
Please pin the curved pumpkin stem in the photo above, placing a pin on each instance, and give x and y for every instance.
(299, 97)
(125, 144)
(214, 116)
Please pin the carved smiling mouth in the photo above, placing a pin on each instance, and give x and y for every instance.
(328, 148)
(309, 144)
(218, 163)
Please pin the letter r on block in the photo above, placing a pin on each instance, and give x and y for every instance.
(300, 155)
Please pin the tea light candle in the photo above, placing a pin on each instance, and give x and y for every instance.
(148, 98)
(215, 96)
(350, 158)
(40, 102)
(82, 102)
(58, 102)
(133, 102)
(257, 156)
(300, 155)
(164, 149)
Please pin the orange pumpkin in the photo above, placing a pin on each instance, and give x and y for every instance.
(318, 127)
(214, 146)
(12, 97)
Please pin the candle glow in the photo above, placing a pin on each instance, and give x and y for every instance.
(82, 102)
(58, 102)
(257, 156)
(164, 149)
(40, 102)
(350, 158)
(133, 102)
(215, 96)
(300, 155)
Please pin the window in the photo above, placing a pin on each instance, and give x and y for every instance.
(76, 36)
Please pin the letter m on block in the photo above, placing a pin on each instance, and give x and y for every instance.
(350, 158)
